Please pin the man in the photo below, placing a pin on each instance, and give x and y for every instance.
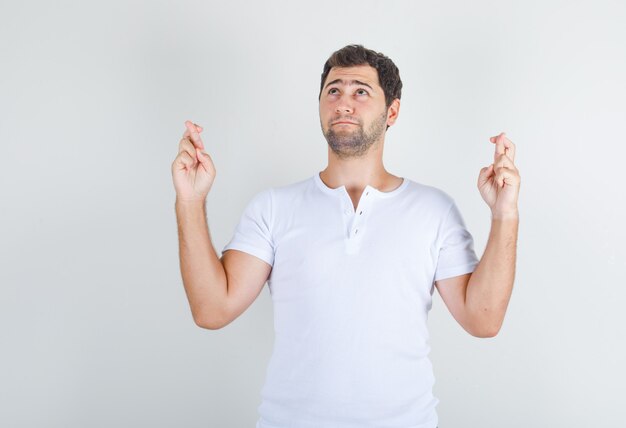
(351, 256)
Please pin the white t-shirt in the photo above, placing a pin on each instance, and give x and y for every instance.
(351, 293)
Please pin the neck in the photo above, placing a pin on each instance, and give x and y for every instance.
(356, 173)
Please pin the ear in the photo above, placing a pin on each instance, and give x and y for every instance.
(393, 111)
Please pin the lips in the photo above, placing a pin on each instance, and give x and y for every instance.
(345, 122)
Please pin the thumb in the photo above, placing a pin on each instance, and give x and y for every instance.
(484, 175)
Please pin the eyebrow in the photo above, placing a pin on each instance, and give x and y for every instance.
(350, 82)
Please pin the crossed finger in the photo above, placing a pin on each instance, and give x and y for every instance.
(192, 133)
(503, 146)
(503, 161)
(198, 127)
(187, 146)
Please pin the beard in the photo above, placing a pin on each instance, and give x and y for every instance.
(356, 142)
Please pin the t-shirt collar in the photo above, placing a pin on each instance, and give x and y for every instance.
(342, 189)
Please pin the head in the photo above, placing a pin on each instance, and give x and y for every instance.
(353, 55)
(359, 99)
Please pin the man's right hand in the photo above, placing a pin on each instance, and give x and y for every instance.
(192, 170)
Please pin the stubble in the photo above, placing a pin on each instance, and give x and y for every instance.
(356, 143)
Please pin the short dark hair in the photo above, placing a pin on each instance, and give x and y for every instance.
(353, 55)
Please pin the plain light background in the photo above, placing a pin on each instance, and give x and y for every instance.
(95, 328)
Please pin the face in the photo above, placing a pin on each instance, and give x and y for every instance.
(353, 114)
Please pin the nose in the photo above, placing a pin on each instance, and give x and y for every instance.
(343, 109)
(344, 105)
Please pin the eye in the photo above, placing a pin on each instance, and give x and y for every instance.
(333, 91)
(362, 92)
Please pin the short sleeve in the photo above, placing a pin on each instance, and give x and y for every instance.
(253, 234)
(456, 247)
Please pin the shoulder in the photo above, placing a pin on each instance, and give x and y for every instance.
(287, 196)
(280, 195)
(289, 190)
(429, 195)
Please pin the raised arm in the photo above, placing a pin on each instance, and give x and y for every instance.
(478, 301)
(218, 290)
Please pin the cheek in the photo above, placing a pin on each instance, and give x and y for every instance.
(325, 112)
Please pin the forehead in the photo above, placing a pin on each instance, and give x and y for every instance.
(364, 73)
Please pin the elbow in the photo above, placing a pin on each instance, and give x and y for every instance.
(485, 329)
(208, 323)
(485, 333)
(483, 322)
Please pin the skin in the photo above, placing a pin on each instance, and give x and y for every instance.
(478, 300)
(347, 100)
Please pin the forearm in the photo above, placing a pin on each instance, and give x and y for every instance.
(202, 271)
(491, 284)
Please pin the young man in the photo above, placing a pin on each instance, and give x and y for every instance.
(351, 256)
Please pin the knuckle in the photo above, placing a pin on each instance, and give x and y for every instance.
(186, 145)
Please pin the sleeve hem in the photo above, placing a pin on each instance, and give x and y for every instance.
(456, 271)
(256, 252)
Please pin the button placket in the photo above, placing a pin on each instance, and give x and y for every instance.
(348, 211)
(358, 220)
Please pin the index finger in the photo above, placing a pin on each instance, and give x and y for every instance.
(186, 133)
(503, 146)
(194, 136)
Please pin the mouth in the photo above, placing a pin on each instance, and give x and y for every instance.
(344, 123)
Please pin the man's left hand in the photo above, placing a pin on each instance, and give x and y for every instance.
(499, 182)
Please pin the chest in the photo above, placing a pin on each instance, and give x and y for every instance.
(331, 241)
